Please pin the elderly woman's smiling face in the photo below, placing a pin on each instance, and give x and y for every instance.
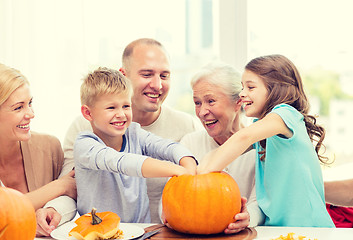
(218, 112)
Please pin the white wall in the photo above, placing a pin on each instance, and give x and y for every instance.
(56, 43)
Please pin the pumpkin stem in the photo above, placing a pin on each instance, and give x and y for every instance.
(95, 219)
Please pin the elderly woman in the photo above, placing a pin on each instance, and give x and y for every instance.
(217, 104)
(29, 162)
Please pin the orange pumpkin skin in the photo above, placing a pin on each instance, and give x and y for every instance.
(17, 216)
(201, 204)
(104, 230)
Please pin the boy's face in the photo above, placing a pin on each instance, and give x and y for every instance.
(111, 115)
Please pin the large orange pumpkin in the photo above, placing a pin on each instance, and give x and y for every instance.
(201, 204)
(91, 226)
(17, 216)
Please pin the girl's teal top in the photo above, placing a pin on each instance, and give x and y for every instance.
(289, 184)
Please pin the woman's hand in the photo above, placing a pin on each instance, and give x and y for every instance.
(206, 164)
(68, 183)
(65, 185)
(47, 220)
(164, 221)
(179, 170)
(242, 220)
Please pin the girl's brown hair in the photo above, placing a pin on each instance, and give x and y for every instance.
(285, 85)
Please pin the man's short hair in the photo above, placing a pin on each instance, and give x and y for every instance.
(130, 48)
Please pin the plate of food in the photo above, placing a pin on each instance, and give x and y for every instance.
(289, 236)
(129, 231)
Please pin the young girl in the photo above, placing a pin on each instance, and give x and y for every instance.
(289, 185)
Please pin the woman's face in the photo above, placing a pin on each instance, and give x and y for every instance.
(216, 110)
(16, 114)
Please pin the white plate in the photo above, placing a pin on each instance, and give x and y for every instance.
(295, 236)
(130, 231)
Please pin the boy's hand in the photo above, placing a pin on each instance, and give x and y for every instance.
(180, 170)
(152, 167)
(189, 163)
(242, 220)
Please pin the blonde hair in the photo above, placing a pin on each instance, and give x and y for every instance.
(103, 81)
(10, 80)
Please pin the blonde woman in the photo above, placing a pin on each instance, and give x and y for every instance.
(29, 162)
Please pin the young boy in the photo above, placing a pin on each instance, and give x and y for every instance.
(112, 162)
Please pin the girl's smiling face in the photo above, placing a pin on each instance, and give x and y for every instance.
(254, 94)
(16, 114)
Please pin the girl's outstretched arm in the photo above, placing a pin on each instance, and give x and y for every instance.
(216, 160)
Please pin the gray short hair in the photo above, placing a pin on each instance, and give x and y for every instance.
(220, 74)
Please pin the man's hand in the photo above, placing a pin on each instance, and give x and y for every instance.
(47, 220)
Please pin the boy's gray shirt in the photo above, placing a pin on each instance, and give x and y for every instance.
(112, 181)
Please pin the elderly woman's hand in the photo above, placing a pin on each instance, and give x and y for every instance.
(242, 220)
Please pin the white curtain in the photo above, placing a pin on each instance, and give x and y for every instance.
(55, 43)
(45, 41)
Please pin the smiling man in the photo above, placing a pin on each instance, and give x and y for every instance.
(146, 64)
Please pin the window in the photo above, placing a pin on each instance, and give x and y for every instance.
(317, 36)
(56, 43)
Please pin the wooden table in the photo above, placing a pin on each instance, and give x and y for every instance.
(263, 233)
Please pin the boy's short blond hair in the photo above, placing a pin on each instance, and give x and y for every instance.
(103, 81)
